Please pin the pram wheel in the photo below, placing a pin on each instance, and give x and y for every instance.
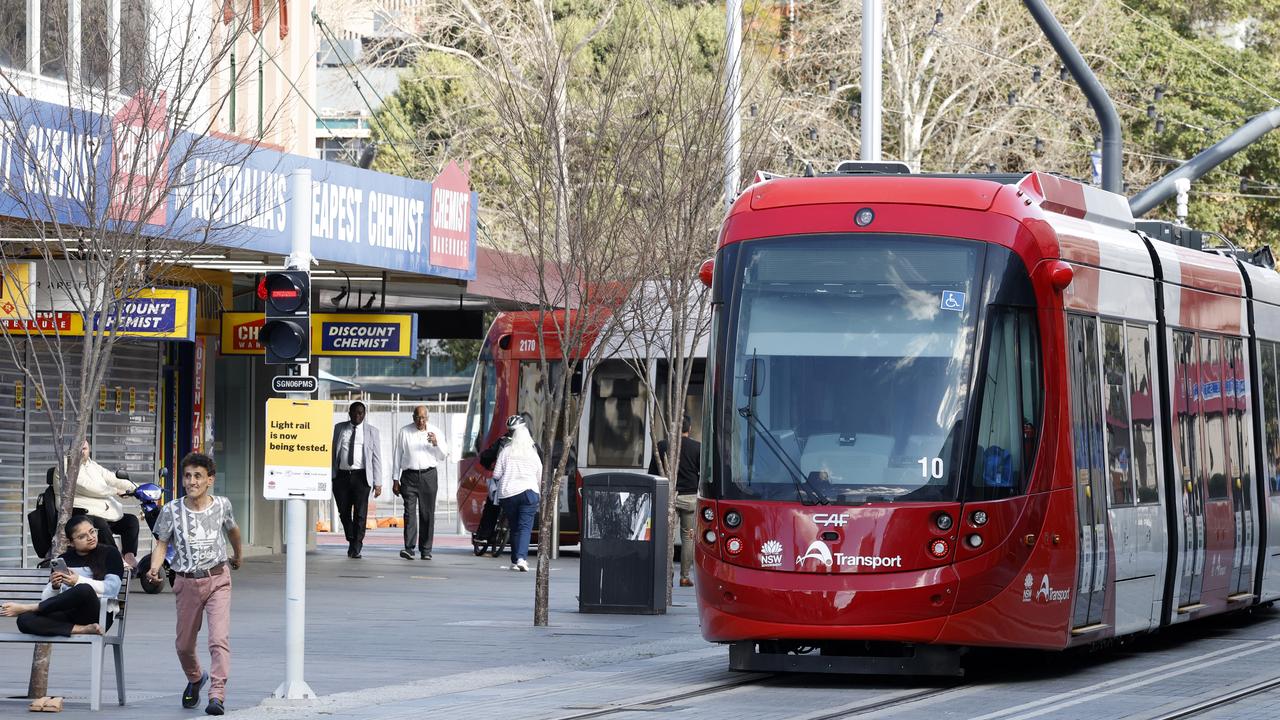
(479, 548)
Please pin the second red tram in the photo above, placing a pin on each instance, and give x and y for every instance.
(952, 411)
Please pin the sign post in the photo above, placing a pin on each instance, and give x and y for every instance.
(301, 466)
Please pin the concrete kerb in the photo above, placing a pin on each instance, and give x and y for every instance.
(274, 709)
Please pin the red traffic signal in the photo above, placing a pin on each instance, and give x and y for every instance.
(287, 292)
(286, 333)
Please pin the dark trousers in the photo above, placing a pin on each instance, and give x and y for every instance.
(126, 527)
(55, 616)
(418, 488)
(351, 490)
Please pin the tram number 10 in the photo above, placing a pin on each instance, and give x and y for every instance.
(931, 467)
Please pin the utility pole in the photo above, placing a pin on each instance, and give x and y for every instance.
(294, 686)
(732, 101)
(872, 42)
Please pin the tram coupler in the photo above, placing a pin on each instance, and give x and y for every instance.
(848, 658)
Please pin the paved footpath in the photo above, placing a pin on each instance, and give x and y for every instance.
(379, 630)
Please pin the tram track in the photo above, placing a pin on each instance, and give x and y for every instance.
(1212, 703)
(650, 703)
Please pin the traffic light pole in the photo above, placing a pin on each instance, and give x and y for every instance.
(294, 686)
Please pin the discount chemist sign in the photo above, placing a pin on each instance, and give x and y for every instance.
(332, 334)
(298, 455)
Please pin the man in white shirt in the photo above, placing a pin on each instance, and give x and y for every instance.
(357, 464)
(419, 450)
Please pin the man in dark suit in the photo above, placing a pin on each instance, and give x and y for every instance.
(357, 465)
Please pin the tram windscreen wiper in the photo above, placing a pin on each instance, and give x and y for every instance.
(809, 494)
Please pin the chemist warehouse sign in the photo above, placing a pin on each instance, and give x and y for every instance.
(332, 334)
(228, 193)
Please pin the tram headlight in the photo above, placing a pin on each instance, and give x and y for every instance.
(978, 518)
(709, 536)
(733, 518)
(943, 521)
(974, 541)
(939, 548)
(864, 217)
(733, 545)
(708, 514)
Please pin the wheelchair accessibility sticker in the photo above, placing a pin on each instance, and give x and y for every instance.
(953, 300)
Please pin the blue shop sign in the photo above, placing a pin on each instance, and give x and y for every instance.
(219, 190)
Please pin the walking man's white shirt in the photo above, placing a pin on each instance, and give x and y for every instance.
(414, 451)
(419, 449)
(352, 458)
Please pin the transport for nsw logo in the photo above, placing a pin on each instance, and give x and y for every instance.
(819, 551)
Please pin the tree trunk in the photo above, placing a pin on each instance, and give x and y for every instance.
(38, 685)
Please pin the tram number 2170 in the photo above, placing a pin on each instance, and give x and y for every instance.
(931, 467)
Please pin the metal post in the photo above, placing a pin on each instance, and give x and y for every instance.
(294, 686)
(872, 40)
(732, 101)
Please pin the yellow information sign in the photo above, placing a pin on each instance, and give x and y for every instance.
(332, 334)
(298, 458)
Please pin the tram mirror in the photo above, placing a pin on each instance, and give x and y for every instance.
(753, 383)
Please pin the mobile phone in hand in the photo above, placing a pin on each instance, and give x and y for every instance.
(59, 566)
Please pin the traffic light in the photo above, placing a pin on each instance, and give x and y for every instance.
(286, 332)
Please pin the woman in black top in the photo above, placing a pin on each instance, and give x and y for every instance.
(70, 603)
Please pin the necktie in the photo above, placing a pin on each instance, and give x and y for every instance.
(351, 447)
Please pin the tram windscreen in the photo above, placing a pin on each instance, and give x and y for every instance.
(849, 359)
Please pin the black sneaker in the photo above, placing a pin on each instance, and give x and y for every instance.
(426, 556)
(214, 707)
(406, 554)
(191, 696)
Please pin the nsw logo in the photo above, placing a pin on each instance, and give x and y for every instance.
(819, 551)
(771, 554)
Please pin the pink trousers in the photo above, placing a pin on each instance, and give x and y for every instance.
(205, 596)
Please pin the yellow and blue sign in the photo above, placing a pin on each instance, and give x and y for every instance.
(150, 314)
(332, 334)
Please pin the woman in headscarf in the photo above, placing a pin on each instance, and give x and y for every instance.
(518, 474)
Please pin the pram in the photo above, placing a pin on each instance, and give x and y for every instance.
(492, 533)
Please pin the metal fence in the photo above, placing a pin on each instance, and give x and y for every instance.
(388, 416)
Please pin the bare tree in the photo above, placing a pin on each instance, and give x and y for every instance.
(115, 160)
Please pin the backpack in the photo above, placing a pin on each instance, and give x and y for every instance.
(489, 457)
(44, 519)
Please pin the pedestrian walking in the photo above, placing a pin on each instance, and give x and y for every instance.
(357, 465)
(420, 448)
(199, 525)
(518, 473)
(687, 470)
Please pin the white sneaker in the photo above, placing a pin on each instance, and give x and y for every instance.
(522, 566)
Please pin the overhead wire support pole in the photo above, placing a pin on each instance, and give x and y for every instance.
(294, 686)
(732, 101)
(872, 95)
(1206, 160)
(1099, 100)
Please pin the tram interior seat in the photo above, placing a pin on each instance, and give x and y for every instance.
(840, 456)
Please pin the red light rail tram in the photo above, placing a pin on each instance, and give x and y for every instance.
(946, 412)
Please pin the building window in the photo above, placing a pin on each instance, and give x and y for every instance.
(53, 38)
(13, 34)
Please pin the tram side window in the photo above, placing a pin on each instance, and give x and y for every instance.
(1212, 396)
(1119, 450)
(1006, 436)
(616, 437)
(1142, 414)
(1271, 424)
(1235, 393)
(534, 396)
(1186, 403)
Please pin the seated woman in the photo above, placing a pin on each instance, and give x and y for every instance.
(69, 604)
(97, 493)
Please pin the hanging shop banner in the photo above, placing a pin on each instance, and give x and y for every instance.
(219, 191)
(332, 334)
(151, 314)
(17, 289)
(297, 462)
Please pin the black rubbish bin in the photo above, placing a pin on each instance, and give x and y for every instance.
(625, 544)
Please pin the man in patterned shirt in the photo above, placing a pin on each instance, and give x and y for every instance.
(196, 524)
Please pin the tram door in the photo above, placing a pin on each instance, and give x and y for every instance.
(1089, 465)
(1189, 449)
(1240, 455)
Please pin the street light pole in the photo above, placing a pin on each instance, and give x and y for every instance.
(294, 686)
(872, 40)
(732, 101)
